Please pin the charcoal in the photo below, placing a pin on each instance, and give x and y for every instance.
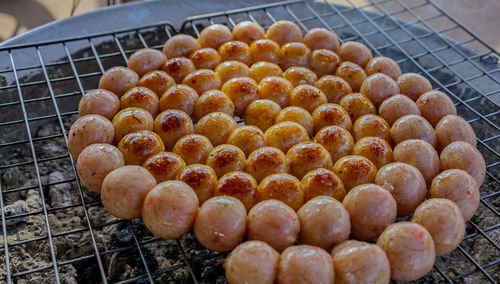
(17, 208)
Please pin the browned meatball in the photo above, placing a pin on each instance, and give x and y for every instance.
(354, 170)
(307, 156)
(463, 156)
(118, 80)
(283, 187)
(226, 158)
(262, 113)
(285, 134)
(235, 50)
(413, 85)
(263, 69)
(232, 69)
(298, 75)
(453, 128)
(201, 178)
(397, 106)
(355, 52)
(283, 32)
(203, 80)
(371, 125)
(324, 222)
(307, 97)
(87, 130)
(320, 38)
(276, 89)
(265, 161)
(435, 105)
(180, 97)
(242, 91)
(274, 223)
(205, 58)
(413, 127)
(405, 183)
(336, 140)
(384, 65)
(333, 87)
(213, 101)
(164, 166)
(410, 250)
(193, 148)
(356, 105)
(353, 74)
(216, 126)
(130, 120)
(137, 146)
(298, 115)
(248, 31)
(264, 50)
(180, 45)
(324, 62)
(374, 149)
(140, 97)
(178, 68)
(220, 224)
(305, 264)
(145, 60)
(239, 185)
(378, 87)
(419, 154)
(99, 101)
(324, 182)
(214, 36)
(248, 138)
(171, 125)
(294, 54)
(158, 81)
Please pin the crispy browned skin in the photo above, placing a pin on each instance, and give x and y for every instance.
(294, 54)
(202, 180)
(232, 69)
(171, 125)
(239, 185)
(248, 138)
(352, 74)
(337, 140)
(205, 58)
(203, 80)
(324, 62)
(333, 87)
(157, 80)
(164, 166)
(216, 126)
(141, 97)
(285, 134)
(213, 101)
(331, 114)
(298, 115)
(322, 181)
(356, 105)
(226, 158)
(137, 146)
(265, 161)
(264, 50)
(375, 149)
(371, 125)
(178, 68)
(354, 170)
(242, 91)
(131, 119)
(262, 113)
(282, 187)
(235, 50)
(307, 97)
(263, 69)
(307, 156)
(180, 97)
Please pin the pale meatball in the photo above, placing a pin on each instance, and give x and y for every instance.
(265, 161)
(180, 45)
(252, 262)
(213, 101)
(283, 32)
(419, 154)
(203, 80)
(276, 89)
(378, 87)
(413, 85)
(124, 189)
(158, 81)
(294, 54)
(355, 52)
(298, 75)
(435, 105)
(262, 113)
(87, 130)
(216, 126)
(371, 125)
(263, 69)
(214, 36)
(264, 50)
(384, 65)
(324, 222)
(354, 170)
(375, 149)
(239, 185)
(453, 128)
(353, 74)
(248, 138)
(181, 97)
(283, 187)
(193, 148)
(99, 101)
(321, 38)
(359, 262)
(324, 182)
(333, 87)
(307, 97)
(331, 114)
(164, 166)
(145, 60)
(137, 146)
(305, 264)
(95, 162)
(336, 140)
(405, 183)
(171, 125)
(356, 105)
(178, 68)
(220, 224)
(140, 97)
(307, 156)
(397, 106)
(463, 156)
(274, 223)
(232, 69)
(410, 250)
(201, 178)
(413, 127)
(130, 120)
(235, 50)
(242, 91)
(226, 158)
(118, 80)
(298, 115)
(248, 31)
(444, 221)
(324, 62)
(170, 209)
(285, 134)
(205, 58)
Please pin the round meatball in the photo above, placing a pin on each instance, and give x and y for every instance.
(118, 80)
(99, 101)
(307, 156)
(239, 185)
(180, 97)
(201, 178)
(285, 134)
(463, 156)
(137, 146)
(354, 170)
(333, 87)
(216, 126)
(263, 69)
(298, 115)
(355, 52)
(384, 65)
(180, 45)
(140, 97)
(235, 50)
(130, 120)
(205, 58)
(294, 54)
(213, 101)
(283, 187)
(397, 106)
(178, 68)
(248, 31)
(226, 158)
(157, 81)
(232, 69)
(359, 262)
(242, 91)
(262, 113)
(274, 223)
(95, 162)
(307, 97)
(321, 38)
(356, 105)
(305, 264)
(164, 166)
(324, 62)
(322, 182)
(298, 75)
(405, 183)
(252, 262)
(171, 125)
(353, 74)
(444, 221)
(459, 187)
(170, 209)
(87, 130)
(265, 161)
(413, 85)
(410, 250)
(145, 60)
(283, 32)
(419, 154)
(336, 140)
(220, 224)
(214, 36)
(378, 87)
(371, 125)
(453, 128)
(124, 189)
(203, 80)
(248, 138)
(413, 127)
(264, 50)
(324, 222)
(276, 89)
(435, 105)
(374, 149)
(193, 148)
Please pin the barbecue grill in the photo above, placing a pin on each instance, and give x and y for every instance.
(54, 230)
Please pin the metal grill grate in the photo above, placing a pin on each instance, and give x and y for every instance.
(41, 84)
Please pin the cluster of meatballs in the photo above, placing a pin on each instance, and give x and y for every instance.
(338, 144)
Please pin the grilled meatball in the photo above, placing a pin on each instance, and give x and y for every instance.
(235, 50)
(413, 127)
(384, 65)
(298, 75)
(203, 80)
(324, 62)
(201, 178)
(355, 52)
(374, 149)
(248, 31)
(99, 101)
(371, 125)
(137, 146)
(226, 158)
(214, 36)
(158, 81)
(307, 156)
(305, 264)
(216, 126)
(262, 113)
(298, 115)
(130, 120)
(193, 148)
(263, 69)
(180, 45)
(419, 154)
(294, 54)
(242, 91)
(413, 85)
(180, 97)
(146, 60)
(354, 170)
(284, 135)
(248, 138)
(307, 97)
(205, 58)
(320, 38)
(178, 68)
(397, 106)
(266, 161)
(336, 140)
(232, 69)
(353, 74)
(331, 114)
(164, 166)
(239, 185)
(283, 187)
(378, 87)
(276, 89)
(453, 128)
(283, 32)
(118, 80)
(171, 125)
(322, 182)
(87, 130)
(140, 97)
(462, 155)
(333, 87)
(213, 101)
(264, 50)
(435, 105)
(356, 105)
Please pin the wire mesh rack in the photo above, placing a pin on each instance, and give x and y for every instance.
(54, 230)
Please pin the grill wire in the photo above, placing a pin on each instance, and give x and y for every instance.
(41, 84)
